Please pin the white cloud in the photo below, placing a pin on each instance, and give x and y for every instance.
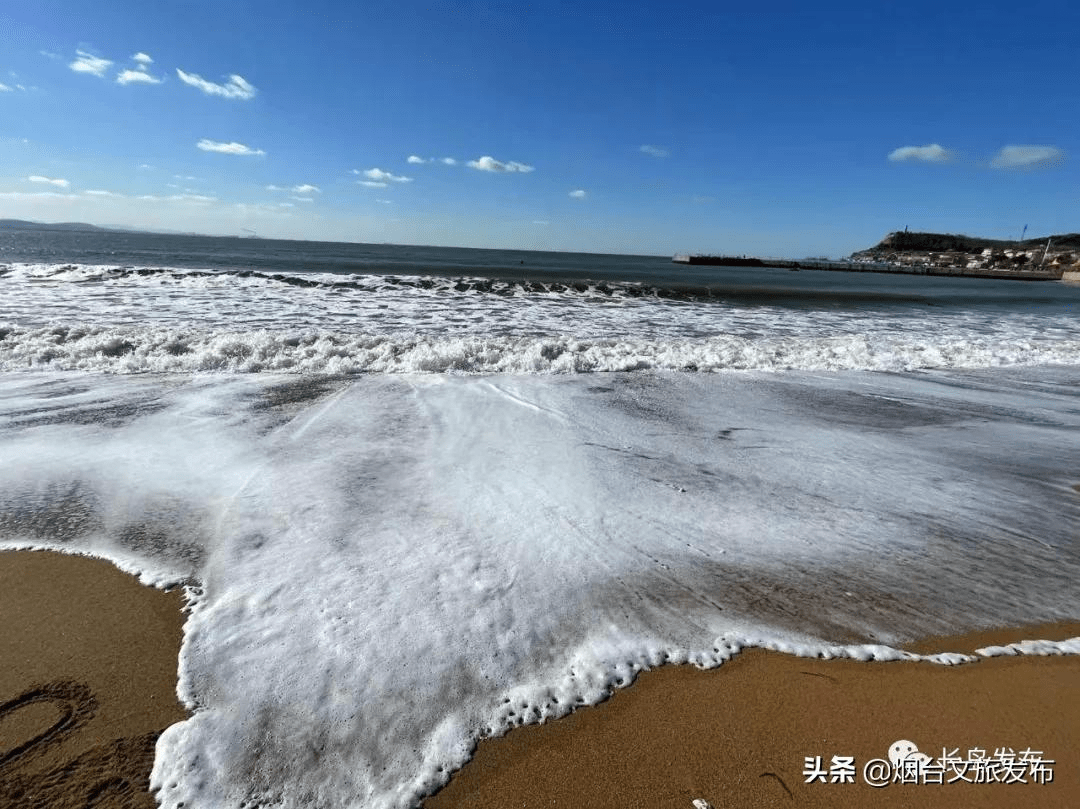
(541, 222)
(266, 208)
(487, 163)
(184, 177)
(371, 184)
(88, 63)
(36, 195)
(302, 199)
(236, 87)
(450, 161)
(102, 194)
(655, 151)
(228, 148)
(144, 166)
(178, 198)
(932, 153)
(137, 77)
(414, 159)
(385, 201)
(579, 194)
(383, 176)
(49, 54)
(1028, 157)
(4, 88)
(306, 188)
(37, 178)
(142, 58)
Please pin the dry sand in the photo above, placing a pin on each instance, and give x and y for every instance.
(88, 679)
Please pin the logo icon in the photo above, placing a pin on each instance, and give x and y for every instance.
(902, 751)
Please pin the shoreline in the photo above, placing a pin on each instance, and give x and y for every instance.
(105, 648)
(739, 734)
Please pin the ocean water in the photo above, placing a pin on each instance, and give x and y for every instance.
(420, 495)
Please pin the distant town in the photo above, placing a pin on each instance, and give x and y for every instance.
(1060, 253)
(1050, 258)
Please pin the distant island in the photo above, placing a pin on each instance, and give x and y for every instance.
(83, 227)
(23, 224)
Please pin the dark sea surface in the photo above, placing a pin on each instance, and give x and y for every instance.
(270, 256)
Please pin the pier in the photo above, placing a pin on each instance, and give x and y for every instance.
(867, 266)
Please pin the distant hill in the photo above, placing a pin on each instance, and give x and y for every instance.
(23, 224)
(903, 241)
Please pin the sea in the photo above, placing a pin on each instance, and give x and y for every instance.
(418, 496)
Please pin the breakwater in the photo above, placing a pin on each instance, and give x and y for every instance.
(868, 266)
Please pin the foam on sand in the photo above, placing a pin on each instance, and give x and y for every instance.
(392, 567)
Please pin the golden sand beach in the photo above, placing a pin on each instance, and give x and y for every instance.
(88, 681)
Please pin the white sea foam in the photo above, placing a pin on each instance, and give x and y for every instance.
(123, 320)
(387, 567)
(132, 350)
(392, 567)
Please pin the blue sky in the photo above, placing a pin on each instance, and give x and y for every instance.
(771, 128)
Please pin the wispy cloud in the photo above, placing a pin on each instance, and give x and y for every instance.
(932, 153)
(450, 161)
(137, 77)
(306, 188)
(579, 194)
(178, 198)
(266, 208)
(49, 54)
(142, 58)
(371, 184)
(144, 166)
(302, 199)
(415, 159)
(5, 89)
(655, 151)
(17, 195)
(1028, 157)
(96, 193)
(37, 178)
(384, 176)
(236, 87)
(88, 63)
(228, 148)
(488, 163)
(541, 222)
(385, 201)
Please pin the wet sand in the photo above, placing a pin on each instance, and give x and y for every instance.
(738, 735)
(88, 661)
(88, 681)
